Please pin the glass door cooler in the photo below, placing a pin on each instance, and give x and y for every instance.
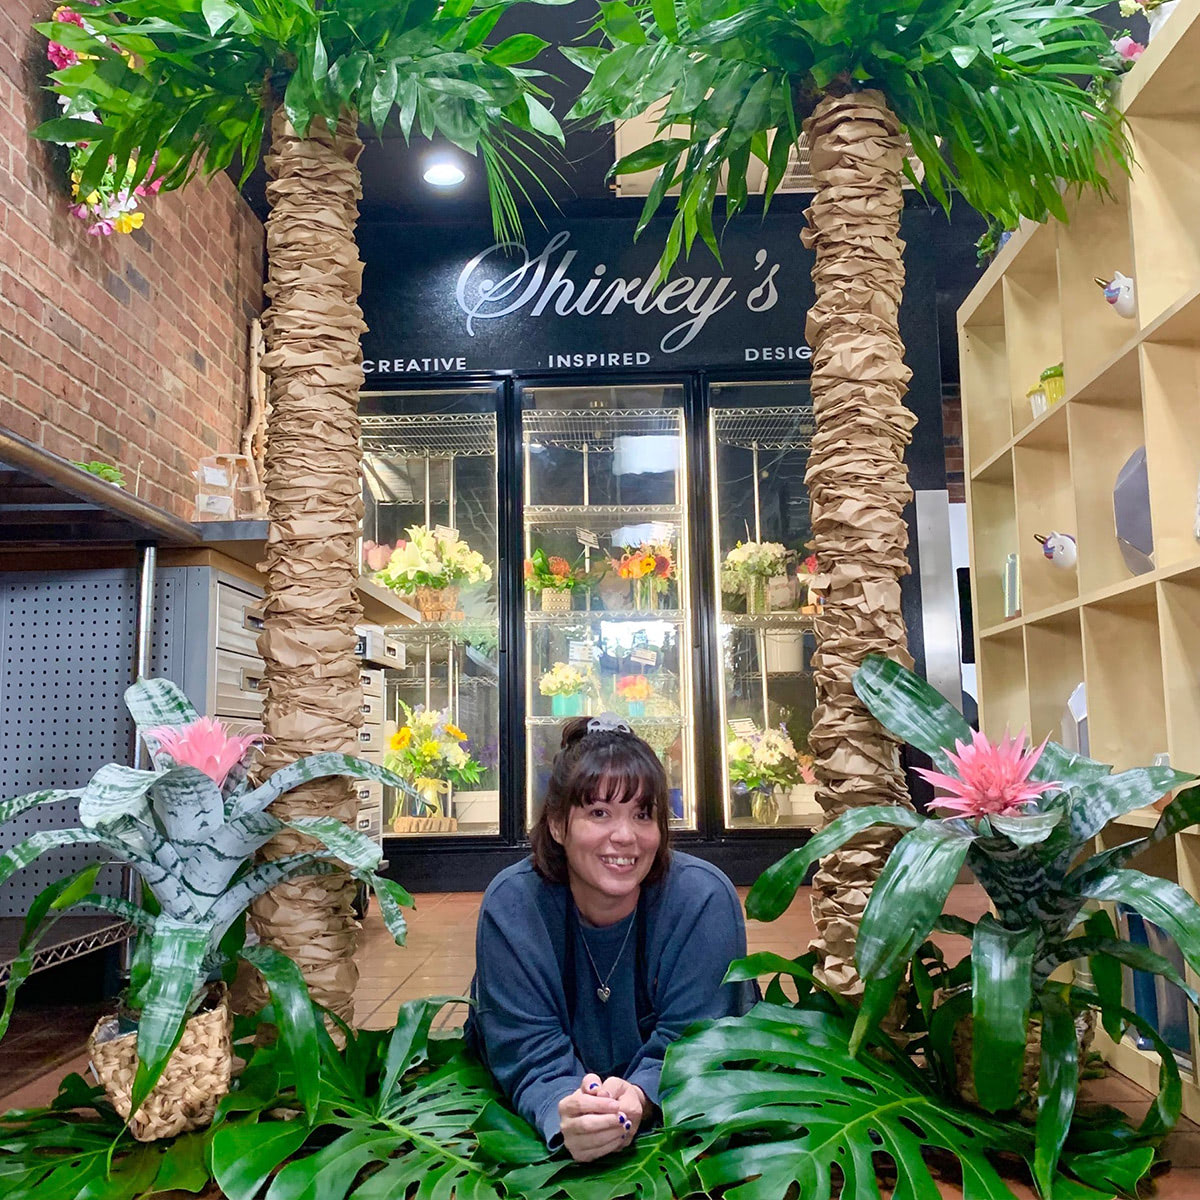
(607, 577)
(429, 471)
(759, 437)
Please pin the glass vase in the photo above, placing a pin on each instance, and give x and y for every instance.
(645, 598)
(764, 805)
(756, 596)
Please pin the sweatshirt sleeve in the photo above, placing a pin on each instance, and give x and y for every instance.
(521, 1015)
(705, 932)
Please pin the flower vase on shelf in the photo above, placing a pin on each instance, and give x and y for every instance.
(635, 708)
(756, 596)
(1157, 17)
(567, 706)
(437, 604)
(556, 600)
(764, 806)
(644, 597)
(435, 795)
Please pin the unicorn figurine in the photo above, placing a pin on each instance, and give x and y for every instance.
(1119, 293)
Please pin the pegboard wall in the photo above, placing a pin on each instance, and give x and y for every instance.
(67, 644)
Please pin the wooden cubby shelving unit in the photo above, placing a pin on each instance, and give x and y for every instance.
(1133, 639)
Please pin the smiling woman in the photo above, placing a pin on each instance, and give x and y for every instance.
(596, 953)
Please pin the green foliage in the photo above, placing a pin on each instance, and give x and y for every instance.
(1027, 866)
(193, 842)
(183, 86)
(988, 93)
(102, 470)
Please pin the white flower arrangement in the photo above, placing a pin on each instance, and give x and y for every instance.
(751, 562)
(562, 679)
(766, 759)
(430, 559)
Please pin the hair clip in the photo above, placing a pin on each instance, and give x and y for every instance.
(608, 722)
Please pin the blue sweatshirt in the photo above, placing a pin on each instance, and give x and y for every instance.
(693, 929)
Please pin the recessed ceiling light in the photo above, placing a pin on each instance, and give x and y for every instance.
(444, 173)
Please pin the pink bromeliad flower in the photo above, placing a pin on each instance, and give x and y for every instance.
(992, 780)
(204, 744)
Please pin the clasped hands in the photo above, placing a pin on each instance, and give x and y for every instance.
(601, 1116)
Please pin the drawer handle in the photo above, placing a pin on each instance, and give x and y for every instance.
(252, 619)
(250, 682)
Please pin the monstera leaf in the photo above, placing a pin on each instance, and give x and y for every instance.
(778, 1106)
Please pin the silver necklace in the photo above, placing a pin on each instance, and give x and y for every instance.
(604, 991)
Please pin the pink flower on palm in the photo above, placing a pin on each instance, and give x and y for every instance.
(204, 744)
(992, 780)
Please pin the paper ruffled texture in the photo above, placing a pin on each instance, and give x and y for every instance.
(314, 492)
(858, 485)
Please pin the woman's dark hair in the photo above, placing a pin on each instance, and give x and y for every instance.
(605, 764)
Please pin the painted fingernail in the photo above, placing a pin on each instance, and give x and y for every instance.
(622, 1118)
(592, 1087)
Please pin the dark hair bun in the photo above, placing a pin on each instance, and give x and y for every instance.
(574, 730)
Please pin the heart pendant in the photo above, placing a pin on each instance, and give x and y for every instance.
(604, 991)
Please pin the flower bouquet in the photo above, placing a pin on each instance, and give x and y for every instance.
(553, 578)
(634, 691)
(761, 762)
(650, 568)
(564, 684)
(432, 564)
(191, 827)
(749, 567)
(431, 753)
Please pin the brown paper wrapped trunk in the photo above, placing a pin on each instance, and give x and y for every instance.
(858, 486)
(314, 367)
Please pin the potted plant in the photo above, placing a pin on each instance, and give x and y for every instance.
(761, 762)
(102, 470)
(431, 753)
(564, 684)
(553, 578)
(431, 565)
(1022, 820)
(189, 827)
(748, 569)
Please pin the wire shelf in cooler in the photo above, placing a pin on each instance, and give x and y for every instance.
(764, 428)
(569, 515)
(773, 620)
(671, 616)
(433, 435)
(597, 428)
(673, 722)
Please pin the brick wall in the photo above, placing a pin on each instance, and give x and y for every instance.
(130, 348)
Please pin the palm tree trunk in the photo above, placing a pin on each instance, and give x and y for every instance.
(858, 485)
(314, 496)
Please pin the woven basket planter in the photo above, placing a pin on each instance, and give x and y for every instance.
(556, 599)
(424, 825)
(437, 604)
(196, 1076)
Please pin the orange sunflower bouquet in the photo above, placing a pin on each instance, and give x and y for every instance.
(650, 567)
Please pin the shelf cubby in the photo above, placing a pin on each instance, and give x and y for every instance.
(1006, 704)
(1104, 432)
(1122, 663)
(1045, 504)
(1165, 210)
(1171, 379)
(993, 521)
(1032, 320)
(1095, 243)
(988, 414)
(1179, 617)
(1054, 665)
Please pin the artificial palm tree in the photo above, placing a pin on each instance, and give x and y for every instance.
(988, 96)
(184, 86)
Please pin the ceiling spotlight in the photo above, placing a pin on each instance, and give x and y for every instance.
(444, 173)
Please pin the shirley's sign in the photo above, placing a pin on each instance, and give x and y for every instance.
(581, 297)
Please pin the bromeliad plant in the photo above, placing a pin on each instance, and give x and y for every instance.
(1020, 821)
(190, 827)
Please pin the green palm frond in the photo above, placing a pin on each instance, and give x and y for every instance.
(990, 94)
(185, 87)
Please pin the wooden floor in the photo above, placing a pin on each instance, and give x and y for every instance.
(439, 959)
